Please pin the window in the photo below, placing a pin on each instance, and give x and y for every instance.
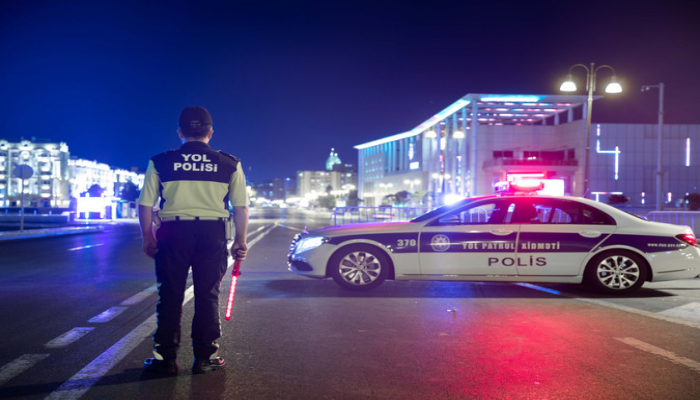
(553, 211)
(495, 211)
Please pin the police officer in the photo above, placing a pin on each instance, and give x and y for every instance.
(195, 185)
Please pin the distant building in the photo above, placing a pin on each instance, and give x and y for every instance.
(57, 177)
(277, 188)
(49, 186)
(338, 180)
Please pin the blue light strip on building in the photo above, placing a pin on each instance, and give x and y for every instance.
(616, 152)
(432, 121)
(515, 98)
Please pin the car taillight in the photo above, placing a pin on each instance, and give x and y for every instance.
(688, 238)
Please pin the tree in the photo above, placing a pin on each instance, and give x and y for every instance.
(402, 197)
(353, 199)
(326, 202)
(693, 201)
(95, 191)
(388, 200)
(130, 192)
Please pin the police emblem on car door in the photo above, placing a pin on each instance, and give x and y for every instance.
(474, 240)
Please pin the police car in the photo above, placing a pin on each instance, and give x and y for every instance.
(516, 236)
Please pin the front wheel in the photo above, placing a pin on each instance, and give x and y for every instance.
(616, 272)
(359, 267)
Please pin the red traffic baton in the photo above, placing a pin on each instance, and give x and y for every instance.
(235, 272)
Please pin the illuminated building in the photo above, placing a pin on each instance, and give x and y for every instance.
(277, 188)
(57, 177)
(482, 139)
(47, 187)
(338, 179)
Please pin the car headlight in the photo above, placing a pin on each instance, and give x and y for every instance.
(309, 243)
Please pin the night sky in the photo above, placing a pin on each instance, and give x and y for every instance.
(287, 80)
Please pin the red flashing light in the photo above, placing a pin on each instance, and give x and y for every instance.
(688, 238)
(528, 186)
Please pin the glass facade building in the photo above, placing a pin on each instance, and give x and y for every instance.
(482, 139)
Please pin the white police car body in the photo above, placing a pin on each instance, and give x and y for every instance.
(512, 238)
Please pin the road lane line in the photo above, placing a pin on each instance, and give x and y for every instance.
(672, 357)
(292, 228)
(19, 365)
(107, 315)
(81, 382)
(139, 297)
(602, 303)
(67, 338)
(86, 247)
(251, 243)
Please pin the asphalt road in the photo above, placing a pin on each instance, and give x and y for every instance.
(78, 312)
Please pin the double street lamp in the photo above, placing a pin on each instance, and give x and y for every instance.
(570, 86)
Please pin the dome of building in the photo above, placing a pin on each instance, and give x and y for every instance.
(332, 160)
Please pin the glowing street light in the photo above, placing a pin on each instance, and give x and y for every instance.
(569, 86)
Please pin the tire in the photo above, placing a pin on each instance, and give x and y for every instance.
(359, 267)
(616, 272)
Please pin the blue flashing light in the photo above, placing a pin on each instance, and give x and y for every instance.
(515, 98)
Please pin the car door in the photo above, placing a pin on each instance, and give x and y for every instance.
(556, 235)
(471, 241)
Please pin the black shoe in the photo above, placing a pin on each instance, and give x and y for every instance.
(167, 367)
(201, 366)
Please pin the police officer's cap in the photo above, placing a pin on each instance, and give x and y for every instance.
(195, 119)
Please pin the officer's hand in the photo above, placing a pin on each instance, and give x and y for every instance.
(239, 250)
(150, 246)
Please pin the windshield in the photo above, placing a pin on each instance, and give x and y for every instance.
(440, 210)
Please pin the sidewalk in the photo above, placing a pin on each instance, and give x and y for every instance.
(41, 233)
(49, 232)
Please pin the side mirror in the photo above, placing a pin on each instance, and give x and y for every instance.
(449, 219)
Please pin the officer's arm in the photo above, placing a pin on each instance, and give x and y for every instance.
(150, 244)
(240, 221)
(149, 196)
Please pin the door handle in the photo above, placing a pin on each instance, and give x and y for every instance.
(501, 232)
(590, 234)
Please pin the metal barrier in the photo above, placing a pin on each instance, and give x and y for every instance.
(689, 218)
(351, 215)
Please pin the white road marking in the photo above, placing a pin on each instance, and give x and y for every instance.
(660, 316)
(292, 228)
(139, 297)
(19, 365)
(81, 382)
(107, 315)
(67, 338)
(254, 241)
(690, 311)
(672, 357)
(85, 247)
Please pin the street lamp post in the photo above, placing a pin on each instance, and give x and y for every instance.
(570, 86)
(659, 155)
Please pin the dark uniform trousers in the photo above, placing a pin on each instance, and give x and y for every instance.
(200, 244)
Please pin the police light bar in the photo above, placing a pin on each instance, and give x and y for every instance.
(519, 187)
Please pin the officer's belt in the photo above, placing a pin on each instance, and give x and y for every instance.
(169, 219)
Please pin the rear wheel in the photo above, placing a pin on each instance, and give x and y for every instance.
(359, 267)
(616, 272)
